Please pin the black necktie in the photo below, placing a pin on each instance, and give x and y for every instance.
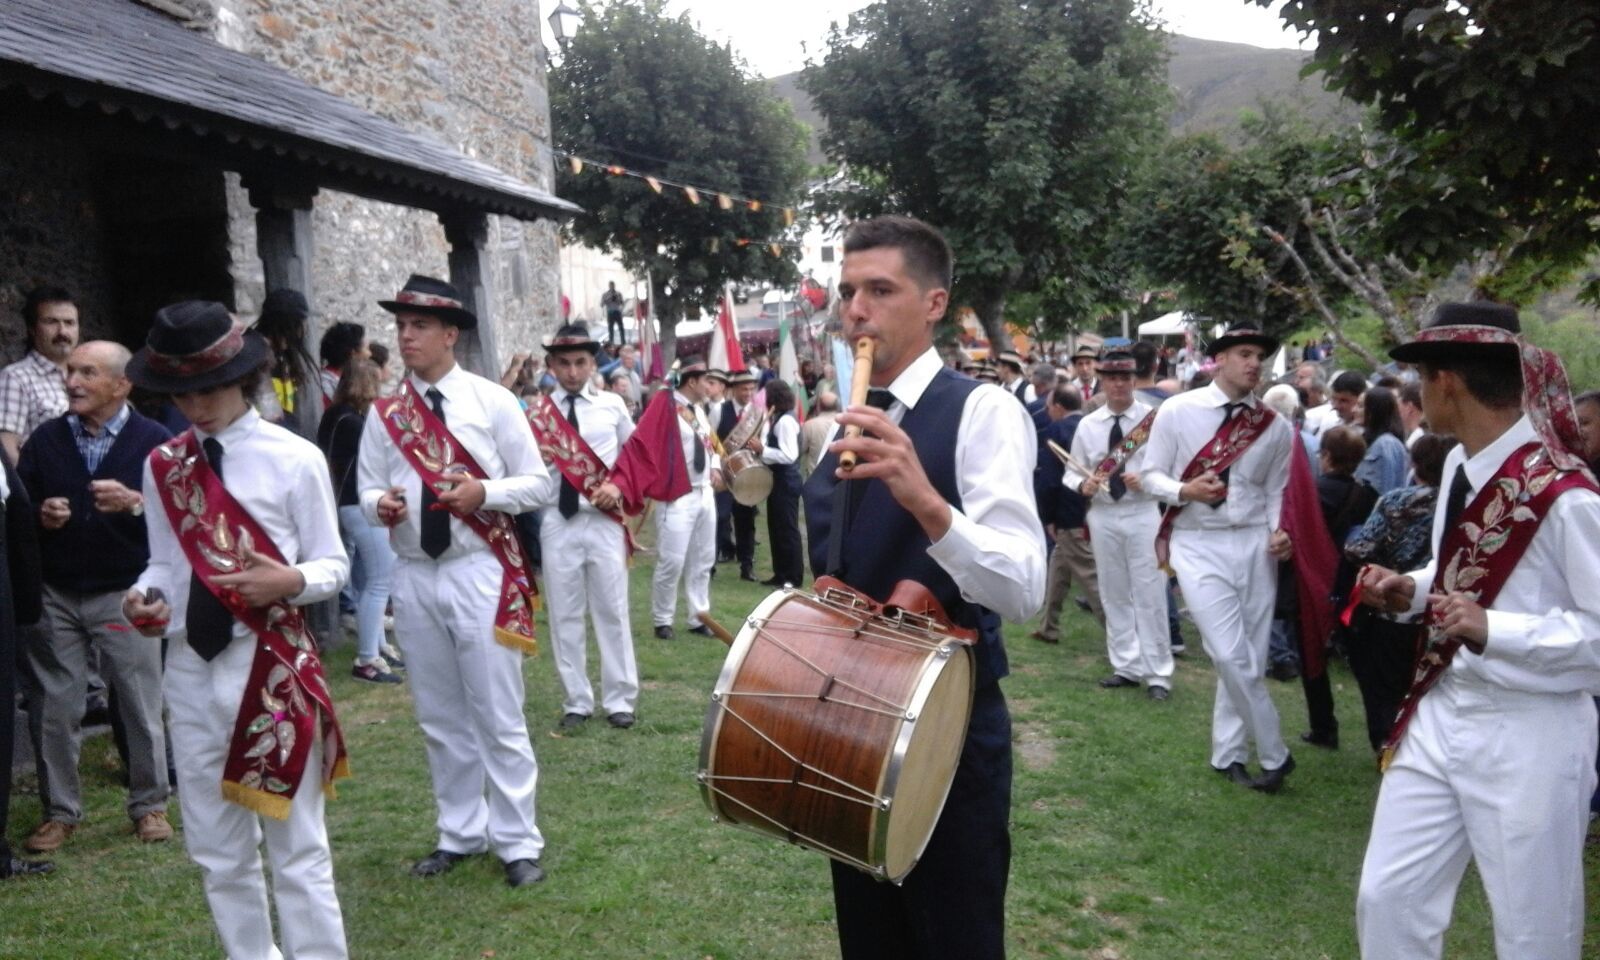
(1229, 410)
(568, 504)
(699, 445)
(435, 523)
(1459, 488)
(210, 624)
(847, 497)
(1119, 486)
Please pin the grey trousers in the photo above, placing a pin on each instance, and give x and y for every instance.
(1072, 559)
(58, 658)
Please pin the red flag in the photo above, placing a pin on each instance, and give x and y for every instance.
(650, 466)
(1316, 560)
(725, 353)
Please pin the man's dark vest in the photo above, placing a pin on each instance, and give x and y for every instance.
(726, 421)
(886, 544)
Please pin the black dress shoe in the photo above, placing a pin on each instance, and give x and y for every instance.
(1327, 741)
(520, 873)
(748, 577)
(1271, 781)
(572, 721)
(437, 863)
(772, 582)
(17, 867)
(701, 630)
(663, 632)
(1117, 680)
(1159, 693)
(1237, 773)
(622, 719)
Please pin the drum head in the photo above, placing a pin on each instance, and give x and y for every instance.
(924, 762)
(752, 485)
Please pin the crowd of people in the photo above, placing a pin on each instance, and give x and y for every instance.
(210, 489)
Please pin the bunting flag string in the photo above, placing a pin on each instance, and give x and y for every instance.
(724, 200)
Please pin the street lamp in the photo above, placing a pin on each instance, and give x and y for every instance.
(564, 22)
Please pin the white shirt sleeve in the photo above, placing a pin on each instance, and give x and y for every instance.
(1161, 472)
(788, 449)
(994, 549)
(372, 473)
(163, 542)
(528, 482)
(322, 560)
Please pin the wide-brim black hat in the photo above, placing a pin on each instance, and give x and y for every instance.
(1116, 361)
(1463, 329)
(691, 366)
(195, 345)
(1240, 335)
(573, 336)
(434, 297)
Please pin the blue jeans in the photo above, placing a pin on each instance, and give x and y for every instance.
(377, 565)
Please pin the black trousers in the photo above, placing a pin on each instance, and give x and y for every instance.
(1381, 654)
(8, 717)
(953, 903)
(1319, 704)
(724, 501)
(744, 535)
(783, 525)
(614, 322)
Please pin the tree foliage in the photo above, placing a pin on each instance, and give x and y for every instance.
(1494, 100)
(1013, 126)
(643, 90)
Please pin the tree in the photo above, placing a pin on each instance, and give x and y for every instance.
(1013, 126)
(649, 93)
(1499, 97)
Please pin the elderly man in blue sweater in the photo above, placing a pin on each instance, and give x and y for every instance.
(83, 469)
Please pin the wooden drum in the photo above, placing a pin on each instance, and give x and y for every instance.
(837, 724)
(749, 479)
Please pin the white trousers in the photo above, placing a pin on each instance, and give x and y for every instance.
(1133, 590)
(225, 839)
(1230, 585)
(468, 692)
(1502, 778)
(586, 568)
(686, 546)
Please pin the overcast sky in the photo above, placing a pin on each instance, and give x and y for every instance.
(775, 35)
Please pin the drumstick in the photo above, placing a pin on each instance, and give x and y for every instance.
(717, 629)
(1069, 459)
(860, 381)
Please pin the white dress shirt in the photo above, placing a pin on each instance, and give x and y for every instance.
(689, 436)
(1321, 419)
(1256, 480)
(1091, 443)
(994, 549)
(788, 436)
(488, 422)
(279, 479)
(605, 425)
(1544, 625)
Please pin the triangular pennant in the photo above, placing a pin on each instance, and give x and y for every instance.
(788, 216)
(724, 201)
(654, 183)
(692, 194)
(777, 249)
(716, 244)
(615, 170)
(755, 206)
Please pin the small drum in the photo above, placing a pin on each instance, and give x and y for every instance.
(837, 724)
(749, 479)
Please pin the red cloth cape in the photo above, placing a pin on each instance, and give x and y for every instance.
(650, 466)
(1315, 561)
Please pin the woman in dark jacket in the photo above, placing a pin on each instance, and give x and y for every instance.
(782, 454)
(20, 605)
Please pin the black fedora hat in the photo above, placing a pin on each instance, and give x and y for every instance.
(194, 345)
(1240, 334)
(573, 336)
(1463, 329)
(434, 297)
(284, 302)
(693, 365)
(1116, 361)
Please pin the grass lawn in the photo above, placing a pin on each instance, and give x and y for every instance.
(1126, 845)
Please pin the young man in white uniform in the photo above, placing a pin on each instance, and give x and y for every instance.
(686, 528)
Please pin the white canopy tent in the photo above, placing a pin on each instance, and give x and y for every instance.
(1172, 324)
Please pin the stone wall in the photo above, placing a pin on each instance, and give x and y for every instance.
(50, 234)
(471, 74)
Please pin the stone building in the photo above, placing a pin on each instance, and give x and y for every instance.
(157, 149)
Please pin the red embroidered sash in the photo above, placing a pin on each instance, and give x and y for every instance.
(1479, 556)
(1131, 442)
(440, 460)
(562, 445)
(1229, 443)
(286, 700)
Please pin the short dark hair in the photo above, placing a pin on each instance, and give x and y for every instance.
(1344, 448)
(38, 297)
(1144, 358)
(1350, 382)
(1067, 398)
(926, 251)
(1493, 378)
(339, 341)
(378, 353)
(1411, 392)
(1427, 456)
